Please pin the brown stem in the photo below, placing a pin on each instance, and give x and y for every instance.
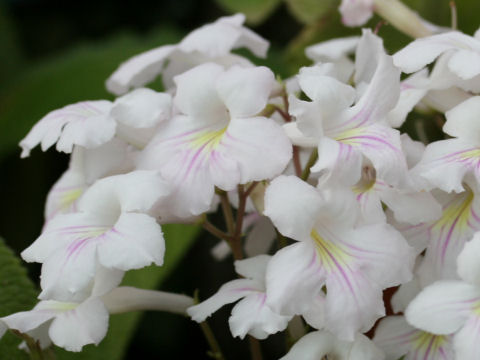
(311, 160)
(296, 161)
(255, 348)
(212, 229)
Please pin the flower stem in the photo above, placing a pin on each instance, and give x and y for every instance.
(255, 348)
(215, 351)
(311, 160)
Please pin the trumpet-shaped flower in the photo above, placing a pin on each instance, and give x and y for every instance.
(251, 315)
(453, 307)
(72, 325)
(90, 124)
(210, 43)
(217, 140)
(344, 134)
(354, 264)
(111, 228)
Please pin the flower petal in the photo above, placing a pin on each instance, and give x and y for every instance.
(85, 123)
(245, 91)
(251, 315)
(86, 324)
(253, 268)
(468, 266)
(423, 51)
(196, 93)
(294, 278)
(139, 70)
(467, 340)
(228, 293)
(462, 120)
(356, 13)
(443, 307)
(304, 205)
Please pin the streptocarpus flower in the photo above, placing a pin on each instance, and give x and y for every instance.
(90, 124)
(354, 263)
(453, 307)
(251, 315)
(111, 228)
(72, 325)
(209, 43)
(217, 139)
(344, 134)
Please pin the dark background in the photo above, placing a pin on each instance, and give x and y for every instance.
(56, 52)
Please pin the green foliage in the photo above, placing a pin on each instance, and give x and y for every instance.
(256, 11)
(17, 293)
(309, 11)
(76, 75)
(178, 238)
(10, 53)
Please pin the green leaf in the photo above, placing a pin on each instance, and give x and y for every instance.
(17, 293)
(179, 238)
(309, 11)
(256, 11)
(10, 53)
(75, 75)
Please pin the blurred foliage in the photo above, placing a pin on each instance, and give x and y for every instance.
(42, 69)
(17, 293)
(256, 11)
(76, 75)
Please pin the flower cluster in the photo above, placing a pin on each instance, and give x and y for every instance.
(317, 162)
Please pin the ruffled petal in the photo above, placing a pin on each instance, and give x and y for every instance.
(443, 307)
(332, 50)
(228, 293)
(139, 70)
(423, 51)
(135, 241)
(85, 123)
(445, 164)
(86, 324)
(245, 91)
(253, 316)
(296, 219)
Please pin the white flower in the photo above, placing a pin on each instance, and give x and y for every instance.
(465, 61)
(72, 325)
(90, 124)
(209, 43)
(251, 315)
(445, 163)
(111, 228)
(453, 307)
(354, 264)
(217, 140)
